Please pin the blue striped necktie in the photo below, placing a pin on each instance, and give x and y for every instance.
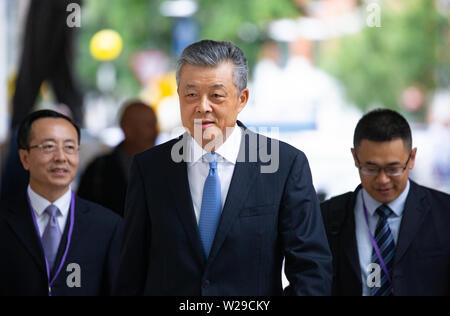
(211, 205)
(385, 242)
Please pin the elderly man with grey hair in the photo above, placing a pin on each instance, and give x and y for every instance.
(217, 210)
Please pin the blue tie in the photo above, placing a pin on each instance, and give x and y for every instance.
(385, 242)
(211, 205)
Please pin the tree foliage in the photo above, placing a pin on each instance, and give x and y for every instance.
(377, 64)
(142, 26)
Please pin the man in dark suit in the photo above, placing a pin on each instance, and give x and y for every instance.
(216, 211)
(105, 180)
(53, 243)
(390, 236)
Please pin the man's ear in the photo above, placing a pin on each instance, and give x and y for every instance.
(24, 158)
(412, 161)
(243, 99)
(354, 157)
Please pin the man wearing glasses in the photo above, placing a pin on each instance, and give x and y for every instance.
(391, 236)
(52, 242)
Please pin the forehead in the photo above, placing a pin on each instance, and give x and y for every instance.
(389, 150)
(53, 128)
(192, 76)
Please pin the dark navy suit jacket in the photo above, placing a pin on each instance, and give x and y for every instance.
(94, 247)
(422, 255)
(267, 217)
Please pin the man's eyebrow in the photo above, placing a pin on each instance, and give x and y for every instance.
(389, 164)
(54, 140)
(190, 86)
(217, 86)
(49, 140)
(394, 163)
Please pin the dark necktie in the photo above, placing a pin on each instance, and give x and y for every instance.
(385, 242)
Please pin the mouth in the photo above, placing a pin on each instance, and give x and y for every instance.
(59, 172)
(384, 192)
(206, 124)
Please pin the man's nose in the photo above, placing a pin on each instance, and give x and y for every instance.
(204, 105)
(59, 154)
(382, 177)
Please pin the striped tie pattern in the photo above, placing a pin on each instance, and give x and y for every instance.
(211, 205)
(385, 242)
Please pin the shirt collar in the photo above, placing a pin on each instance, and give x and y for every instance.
(228, 151)
(39, 203)
(397, 206)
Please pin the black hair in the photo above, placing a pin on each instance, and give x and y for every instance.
(383, 125)
(23, 136)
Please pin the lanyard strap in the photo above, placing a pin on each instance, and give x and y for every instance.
(69, 238)
(374, 242)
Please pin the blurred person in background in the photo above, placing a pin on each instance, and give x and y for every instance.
(390, 236)
(105, 180)
(46, 232)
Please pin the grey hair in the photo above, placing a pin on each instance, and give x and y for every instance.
(211, 53)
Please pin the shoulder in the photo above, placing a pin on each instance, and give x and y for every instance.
(14, 204)
(99, 215)
(340, 200)
(159, 152)
(341, 204)
(336, 210)
(272, 146)
(435, 197)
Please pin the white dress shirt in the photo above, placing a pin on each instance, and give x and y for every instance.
(39, 204)
(364, 243)
(198, 168)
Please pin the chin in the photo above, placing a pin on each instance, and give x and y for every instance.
(386, 199)
(61, 182)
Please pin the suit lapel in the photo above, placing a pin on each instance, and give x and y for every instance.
(81, 222)
(244, 175)
(181, 195)
(349, 236)
(413, 216)
(21, 222)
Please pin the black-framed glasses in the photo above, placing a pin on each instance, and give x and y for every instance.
(49, 147)
(393, 171)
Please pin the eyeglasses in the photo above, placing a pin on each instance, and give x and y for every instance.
(389, 171)
(51, 147)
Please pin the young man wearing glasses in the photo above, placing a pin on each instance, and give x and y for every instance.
(390, 236)
(52, 242)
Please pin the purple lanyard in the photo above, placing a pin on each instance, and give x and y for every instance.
(374, 242)
(69, 238)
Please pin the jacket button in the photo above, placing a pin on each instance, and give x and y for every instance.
(206, 284)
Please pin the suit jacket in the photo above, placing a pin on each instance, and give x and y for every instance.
(422, 254)
(266, 217)
(105, 182)
(94, 247)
